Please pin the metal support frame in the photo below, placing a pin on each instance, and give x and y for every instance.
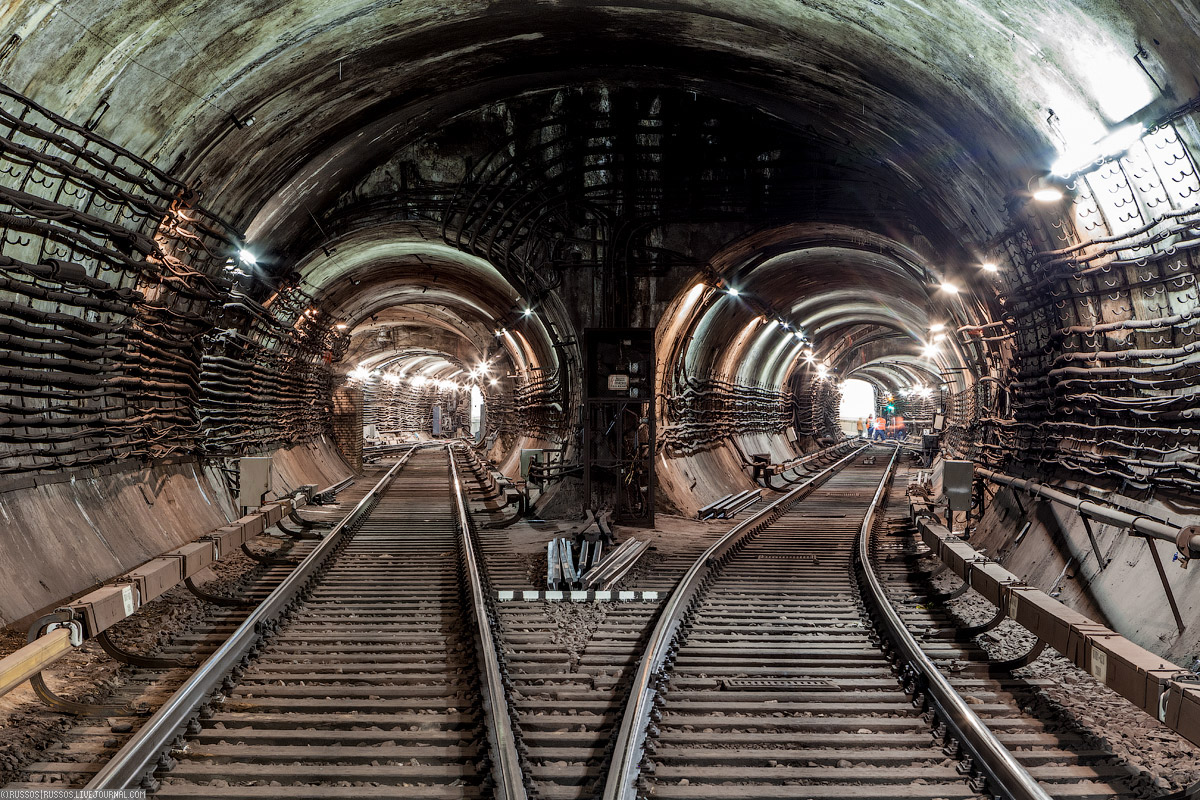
(1087, 526)
(1162, 575)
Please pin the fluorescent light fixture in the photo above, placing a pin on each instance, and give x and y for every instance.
(1111, 146)
(949, 288)
(937, 337)
(246, 257)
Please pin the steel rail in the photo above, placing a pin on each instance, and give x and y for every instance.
(140, 756)
(620, 783)
(1005, 774)
(506, 762)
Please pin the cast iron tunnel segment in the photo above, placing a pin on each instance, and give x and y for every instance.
(371, 671)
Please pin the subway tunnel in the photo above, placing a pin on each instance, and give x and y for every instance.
(323, 232)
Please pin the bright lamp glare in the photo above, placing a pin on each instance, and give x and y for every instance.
(1110, 146)
(732, 292)
(988, 266)
(1048, 195)
(937, 326)
(930, 351)
(527, 312)
(949, 288)
(246, 257)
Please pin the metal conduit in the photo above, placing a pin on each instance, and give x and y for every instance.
(1101, 513)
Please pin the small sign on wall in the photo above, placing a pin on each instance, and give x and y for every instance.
(618, 383)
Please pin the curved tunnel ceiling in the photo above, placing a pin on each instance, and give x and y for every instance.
(461, 160)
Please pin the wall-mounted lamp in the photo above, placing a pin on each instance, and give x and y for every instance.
(1045, 190)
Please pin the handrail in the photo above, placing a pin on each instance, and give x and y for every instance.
(627, 752)
(506, 763)
(1008, 778)
(139, 758)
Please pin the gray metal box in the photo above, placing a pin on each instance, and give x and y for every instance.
(956, 481)
(254, 480)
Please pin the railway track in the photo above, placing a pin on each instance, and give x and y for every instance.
(381, 669)
(367, 673)
(89, 741)
(770, 675)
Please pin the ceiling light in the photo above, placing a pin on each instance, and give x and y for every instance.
(1044, 190)
(246, 257)
(949, 288)
(937, 326)
(527, 313)
(931, 350)
(341, 326)
(937, 337)
(988, 266)
(732, 292)
(493, 381)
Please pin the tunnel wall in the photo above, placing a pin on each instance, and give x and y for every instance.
(1056, 556)
(63, 538)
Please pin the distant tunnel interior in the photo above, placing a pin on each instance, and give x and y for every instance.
(256, 228)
